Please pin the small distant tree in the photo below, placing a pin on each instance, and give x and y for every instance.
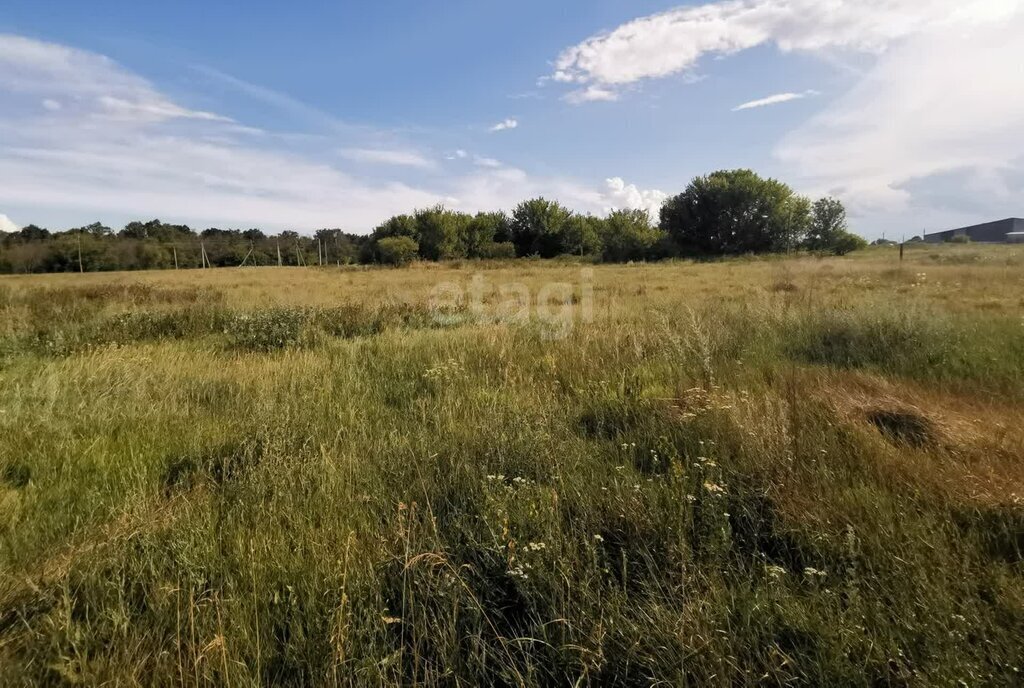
(828, 224)
(735, 212)
(397, 250)
(33, 233)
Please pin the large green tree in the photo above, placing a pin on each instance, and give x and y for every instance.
(538, 228)
(735, 212)
(441, 233)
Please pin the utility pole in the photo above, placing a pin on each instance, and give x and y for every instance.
(202, 248)
(175, 249)
(319, 252)
(80, 268)
(279, 262)
(252, 247)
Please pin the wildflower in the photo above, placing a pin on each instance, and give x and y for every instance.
(598, 538)
(714, 489)
(535, 546)
(775, 572)
(812, 572)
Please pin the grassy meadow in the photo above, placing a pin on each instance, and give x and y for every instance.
(785, 471)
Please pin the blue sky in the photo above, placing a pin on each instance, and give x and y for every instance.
(328, 114)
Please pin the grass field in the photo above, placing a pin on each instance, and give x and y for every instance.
(793, 471)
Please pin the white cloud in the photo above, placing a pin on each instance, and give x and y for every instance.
(7, 225)
(401, 158)
(948, 100)
(590, 94)
(619, 195)
(457, 155)
(95, 84)
(119, 148)
(481, 161)
(674, 42)
(773, 100)
(505, 125)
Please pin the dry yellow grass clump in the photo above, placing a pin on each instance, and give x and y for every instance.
(782, 471)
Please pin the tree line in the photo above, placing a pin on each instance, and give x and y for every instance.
(730, 212)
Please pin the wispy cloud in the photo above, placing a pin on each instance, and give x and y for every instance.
(590, 94)
(383, 156)
(776, 99)
(118, 147)
(505, 125)
(481, 161)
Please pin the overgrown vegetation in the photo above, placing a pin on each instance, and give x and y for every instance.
(801, 471)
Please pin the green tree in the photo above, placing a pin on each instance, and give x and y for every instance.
(628, 235)
(538, 228)
(582, 235)
(441, 233)
(397, 250)
(734, 212)
(484, 230)
(828, 223)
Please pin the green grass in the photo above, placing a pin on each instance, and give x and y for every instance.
(245, 482)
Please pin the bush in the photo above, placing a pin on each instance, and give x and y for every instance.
(847, 242)
(498, 249)
(960, 239)
(269, 330)
(397, 251)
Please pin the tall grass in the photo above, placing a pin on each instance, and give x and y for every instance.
(694, 489)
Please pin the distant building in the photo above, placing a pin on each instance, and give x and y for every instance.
(1001, 232)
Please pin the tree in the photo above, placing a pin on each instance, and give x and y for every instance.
(582, 234)
(628, 235)
(538, 228)
(828, 223)
(397, 250)
(399, 225)
(735, 212)
(483, 231)
(441, 233)
(33, 233)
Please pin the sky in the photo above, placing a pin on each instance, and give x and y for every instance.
(340, 114)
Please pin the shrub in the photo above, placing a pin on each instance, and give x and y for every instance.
(270, 330)
(498, 249)
(847, 242)
(397, 251)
